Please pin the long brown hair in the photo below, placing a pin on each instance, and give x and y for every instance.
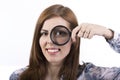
(38, 65)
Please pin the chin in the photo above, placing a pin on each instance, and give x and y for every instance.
(54, 61)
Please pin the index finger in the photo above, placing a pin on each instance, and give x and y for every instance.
(74, 33)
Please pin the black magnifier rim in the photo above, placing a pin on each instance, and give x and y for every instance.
(61, 27)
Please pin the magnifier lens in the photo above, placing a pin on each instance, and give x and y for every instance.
(60, 35)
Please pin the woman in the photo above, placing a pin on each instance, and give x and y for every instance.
(51, 61)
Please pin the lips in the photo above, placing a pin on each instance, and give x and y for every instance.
(53, 50)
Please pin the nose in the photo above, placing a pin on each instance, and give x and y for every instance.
(49, 40)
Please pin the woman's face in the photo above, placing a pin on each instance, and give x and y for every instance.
(52, 52)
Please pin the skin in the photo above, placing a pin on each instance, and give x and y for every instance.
(54, 54)
(87, 30)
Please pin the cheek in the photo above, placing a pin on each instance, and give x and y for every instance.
(41, 42)
(67, 47)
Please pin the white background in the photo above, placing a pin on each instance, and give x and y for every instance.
(17, 24)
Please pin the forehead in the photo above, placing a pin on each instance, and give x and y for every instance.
(52, 22)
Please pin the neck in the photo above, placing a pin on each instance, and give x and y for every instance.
(53, 71)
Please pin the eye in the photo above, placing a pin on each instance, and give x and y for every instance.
(61, 33)
(43, 33)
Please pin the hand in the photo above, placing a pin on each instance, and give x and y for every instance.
(87, 30)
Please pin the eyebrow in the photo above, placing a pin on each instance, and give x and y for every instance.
(44, 30)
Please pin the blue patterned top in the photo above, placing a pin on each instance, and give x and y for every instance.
(115, 42)
(91, 72)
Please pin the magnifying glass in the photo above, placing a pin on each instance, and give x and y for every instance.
(60, 35)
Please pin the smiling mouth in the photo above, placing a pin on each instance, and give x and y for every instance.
(52, 50)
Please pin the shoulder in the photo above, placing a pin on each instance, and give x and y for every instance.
(86, 67)
(15, 75)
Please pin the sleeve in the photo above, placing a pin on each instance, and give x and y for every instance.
(115, 42)
(93, 72)
(16, 74)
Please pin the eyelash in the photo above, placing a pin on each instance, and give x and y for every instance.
(44, 33)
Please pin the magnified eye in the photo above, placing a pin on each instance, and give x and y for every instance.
(61, 33)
